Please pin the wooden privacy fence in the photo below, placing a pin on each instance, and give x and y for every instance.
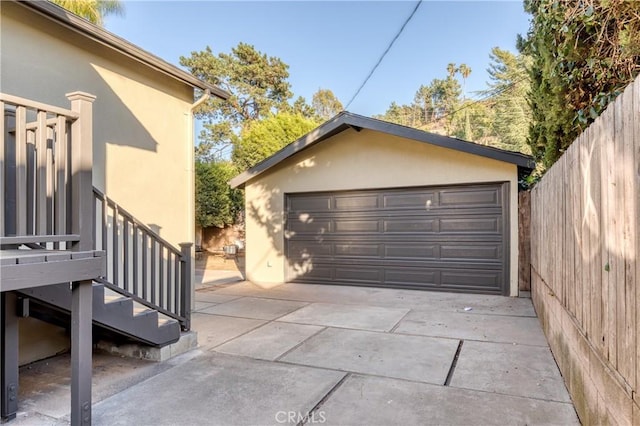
(584, 263)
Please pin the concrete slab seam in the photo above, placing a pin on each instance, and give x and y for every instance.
(323, 400)
(301, 343)
(456, 338)
(393, 329)
(239, 335)
(295, 310)
(454, 362)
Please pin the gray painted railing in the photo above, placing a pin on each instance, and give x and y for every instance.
(36, 174)
(141, 264)
(46, 165)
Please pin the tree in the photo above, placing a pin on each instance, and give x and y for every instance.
(583, 54)
(258, 85)
(326, 104)
(507, 92)
(465, 72)
(92, 10)
(451, 69)
(260, 139)
(216, 203)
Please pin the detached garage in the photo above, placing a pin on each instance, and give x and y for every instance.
(359, 201)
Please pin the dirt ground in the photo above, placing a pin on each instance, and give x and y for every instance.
(219, 262)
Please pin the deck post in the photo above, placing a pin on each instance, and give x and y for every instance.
(82, 224)
(81, 170)
(81, 346)
(187, 285)
(9, 358)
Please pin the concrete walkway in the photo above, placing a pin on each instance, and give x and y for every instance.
(351, 356)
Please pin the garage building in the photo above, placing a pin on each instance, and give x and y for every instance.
(360, 201)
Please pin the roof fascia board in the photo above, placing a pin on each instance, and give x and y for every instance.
(520, 160)
(346, 120)
(325, 131)
(82, 26)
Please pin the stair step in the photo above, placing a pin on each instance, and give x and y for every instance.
(116, 312)
(114, 298)
(138, 311)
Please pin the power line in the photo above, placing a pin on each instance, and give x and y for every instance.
(415, 9)
(479, 100)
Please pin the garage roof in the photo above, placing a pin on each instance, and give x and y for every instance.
(80, 25)
(346, 120)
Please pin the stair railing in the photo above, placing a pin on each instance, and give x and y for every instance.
(141, 264)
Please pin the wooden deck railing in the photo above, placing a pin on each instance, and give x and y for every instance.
(44, 173)
(46, 163)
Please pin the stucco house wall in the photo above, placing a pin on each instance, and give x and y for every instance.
(143, 127)
(142, 130)
(354, 160)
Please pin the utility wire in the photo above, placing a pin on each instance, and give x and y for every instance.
(479, 100)
(415, 9)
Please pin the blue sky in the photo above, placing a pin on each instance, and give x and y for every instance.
(333, 45)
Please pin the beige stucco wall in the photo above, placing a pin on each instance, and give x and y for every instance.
(142, 127)
(143, 137)
(359, 160)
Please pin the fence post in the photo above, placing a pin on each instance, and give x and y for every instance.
(82, 210)
(185, 249)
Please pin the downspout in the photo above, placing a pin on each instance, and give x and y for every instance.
(205, 97)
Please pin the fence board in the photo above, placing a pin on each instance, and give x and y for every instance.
(626, 193)
(585, 241)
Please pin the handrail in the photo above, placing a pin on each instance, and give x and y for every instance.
(18, 101)
(132, 218)
(141, 264)
(26, 239)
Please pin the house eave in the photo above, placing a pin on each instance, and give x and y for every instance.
(81, 26)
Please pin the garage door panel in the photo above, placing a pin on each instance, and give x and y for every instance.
(471, 252)
(410, 200)
(447, 238)
(309, 226)
(417, 277)
(476, 197)
(411, 251)
(371, 250)
(467, 225)
(355, 203)
(364, 275)
(371, 263)
(471, 277)
(363, 225)
(317, 275)
(320, 202)
(404, 224)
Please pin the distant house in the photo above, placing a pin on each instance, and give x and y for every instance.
(359, 201)
(139, 112)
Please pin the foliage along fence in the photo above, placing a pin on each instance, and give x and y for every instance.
(584, 263)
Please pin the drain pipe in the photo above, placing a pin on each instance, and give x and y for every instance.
(205, 96)
(191, 223)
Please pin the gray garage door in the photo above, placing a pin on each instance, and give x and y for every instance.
(451, 238)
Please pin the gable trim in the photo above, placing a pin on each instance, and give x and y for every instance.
(346, 120)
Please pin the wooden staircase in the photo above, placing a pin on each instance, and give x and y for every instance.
(112, 311)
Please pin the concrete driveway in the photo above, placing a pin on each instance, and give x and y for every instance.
(351, 356)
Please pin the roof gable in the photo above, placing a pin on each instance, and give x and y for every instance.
(62, 17)
(346, 120)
